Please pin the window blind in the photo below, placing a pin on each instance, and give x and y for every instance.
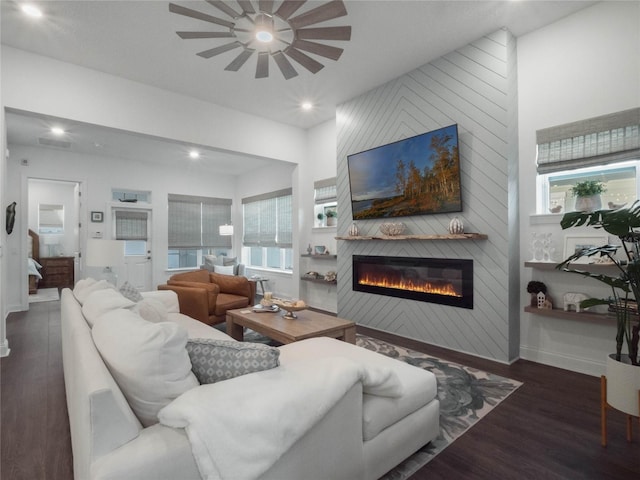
(268, 220)
(194, 221)
(595, 141)
(325, 190)
(131, 225)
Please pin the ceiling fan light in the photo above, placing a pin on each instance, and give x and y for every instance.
(264, 28)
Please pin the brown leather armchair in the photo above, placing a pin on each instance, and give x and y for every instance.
(207, 296)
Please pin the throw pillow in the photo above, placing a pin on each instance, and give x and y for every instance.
(87, 286)
(101, 302)
(224, 270)
(148, 361)
(151, 309)
(229, 261)
(130, 292)
(209, 260)
(216, 360)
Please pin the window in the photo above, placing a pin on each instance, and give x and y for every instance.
(605, 149)
(194, 228)
(267, 228)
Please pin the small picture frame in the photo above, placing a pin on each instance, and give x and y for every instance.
(320, 250)
(97, 217)
(573, 243)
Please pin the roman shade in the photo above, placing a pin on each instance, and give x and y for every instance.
(194, 221)
(595, 141)
(268, 220)
(325, 191)
(131, 225)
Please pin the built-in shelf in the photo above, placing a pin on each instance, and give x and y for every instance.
(571, 315)
(446, 236)
(321, 257)
(317, 280)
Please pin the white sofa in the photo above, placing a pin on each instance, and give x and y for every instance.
(361, 436)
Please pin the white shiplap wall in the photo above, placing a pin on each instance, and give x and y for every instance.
(475, 88)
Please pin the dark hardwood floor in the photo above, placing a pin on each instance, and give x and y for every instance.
(548, 429)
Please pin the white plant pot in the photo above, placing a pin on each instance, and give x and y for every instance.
(331, 221)
(623, 384)
(588, 204)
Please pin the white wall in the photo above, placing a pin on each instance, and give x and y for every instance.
(98, 175)
(77, 93)
(583, 66)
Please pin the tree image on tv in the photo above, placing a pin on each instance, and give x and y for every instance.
(421, 178)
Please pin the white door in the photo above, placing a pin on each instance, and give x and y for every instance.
(134, 227)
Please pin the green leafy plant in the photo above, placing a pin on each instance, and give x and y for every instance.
(587, 188)
(331, 213)
(626, 285)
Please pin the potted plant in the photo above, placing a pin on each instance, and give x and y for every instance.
(320, 217)
(587, 195)
(331, 217)
(623, 369)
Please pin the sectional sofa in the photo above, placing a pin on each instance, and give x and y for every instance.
(301, 419)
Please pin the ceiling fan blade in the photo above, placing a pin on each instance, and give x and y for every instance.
(323, 50)
(188, 12)
(303, 59)
(190, 35)
(265, 6)
(285, 65)
(220, 5)
(328, 11)
(218, 50)
(246, 6)
(240, 60)
(262, 69)
(288, 8)
(325, 33)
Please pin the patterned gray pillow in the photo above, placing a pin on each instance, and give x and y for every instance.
(216, 360)
(130, 292)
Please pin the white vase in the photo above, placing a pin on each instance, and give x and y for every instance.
(354, 231)
(456, 226)
(331, 221)
(623, 385)
(588, 204)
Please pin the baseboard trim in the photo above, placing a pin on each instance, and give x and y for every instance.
(4, 349)
(566, 362)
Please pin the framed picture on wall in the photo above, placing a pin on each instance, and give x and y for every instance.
(575, 243)
(97, 217)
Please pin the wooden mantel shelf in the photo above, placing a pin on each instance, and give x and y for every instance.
(446, 236)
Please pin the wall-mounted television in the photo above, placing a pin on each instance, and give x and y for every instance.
(414, 176)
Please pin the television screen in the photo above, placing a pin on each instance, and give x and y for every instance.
(415, 176)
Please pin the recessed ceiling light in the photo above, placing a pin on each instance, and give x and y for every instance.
(31, 10)
(194, 154)
(307, 106)
(57, 131)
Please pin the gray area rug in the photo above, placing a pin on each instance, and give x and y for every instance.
(44, 295)
(466, 395)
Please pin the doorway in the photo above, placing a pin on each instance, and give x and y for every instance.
(133, 226)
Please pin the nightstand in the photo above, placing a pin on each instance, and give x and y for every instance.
(57, 272)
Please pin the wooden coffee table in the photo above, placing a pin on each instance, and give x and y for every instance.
(309, 324)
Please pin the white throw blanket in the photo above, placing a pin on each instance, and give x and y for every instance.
(239, 428)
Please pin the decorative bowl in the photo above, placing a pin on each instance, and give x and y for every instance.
(289, 306)
(392, 229)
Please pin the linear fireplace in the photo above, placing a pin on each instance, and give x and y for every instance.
(435, 280)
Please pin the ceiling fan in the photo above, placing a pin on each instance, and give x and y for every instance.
(277, 34)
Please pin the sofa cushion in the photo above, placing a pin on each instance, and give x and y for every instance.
(103, 301)
(419, 387)
(228, 301)
(168, 297)
(197, 329)
(149, 361)
(87, 286)
(151, 309)
(216, 360)
(229, 270)
(131, 292)
(231, 284)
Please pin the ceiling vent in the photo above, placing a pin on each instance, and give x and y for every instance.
(48, 142)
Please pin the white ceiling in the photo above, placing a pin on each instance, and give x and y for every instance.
(137, 40)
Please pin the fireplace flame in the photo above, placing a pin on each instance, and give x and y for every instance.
(408, 284)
